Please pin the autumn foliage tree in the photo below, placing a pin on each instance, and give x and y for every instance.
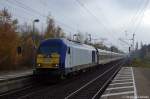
(53, 31)
(8, 40)
(14, 36)
(29, 42)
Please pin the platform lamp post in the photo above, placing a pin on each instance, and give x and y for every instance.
(34, 21)
(33, 38)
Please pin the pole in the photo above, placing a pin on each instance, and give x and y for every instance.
(133, 40)
(90, 38)
(33, 38)
(33, 35)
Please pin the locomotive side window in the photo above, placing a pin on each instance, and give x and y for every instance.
(68, 50)
(93, 56)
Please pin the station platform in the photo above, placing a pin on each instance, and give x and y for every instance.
(129, 83)
(6, 75)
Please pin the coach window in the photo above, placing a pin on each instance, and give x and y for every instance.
(68, 50)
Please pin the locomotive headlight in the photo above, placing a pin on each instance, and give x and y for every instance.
(39, 65)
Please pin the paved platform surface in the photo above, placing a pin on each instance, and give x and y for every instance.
(4, 75)
(142, 79)
(129, 83)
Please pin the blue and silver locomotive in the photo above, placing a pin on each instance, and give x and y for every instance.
(61, 56)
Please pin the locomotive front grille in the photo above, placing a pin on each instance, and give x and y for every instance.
(51, 61)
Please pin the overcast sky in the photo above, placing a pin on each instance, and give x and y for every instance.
(102, 18)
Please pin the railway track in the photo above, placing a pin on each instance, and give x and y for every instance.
(88, 85)
(93, 89)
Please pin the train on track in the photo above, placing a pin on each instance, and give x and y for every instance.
(62, 56)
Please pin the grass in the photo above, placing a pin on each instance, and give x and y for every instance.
(137, 62)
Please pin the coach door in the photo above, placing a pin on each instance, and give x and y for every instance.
(93, 56)
(69, 56)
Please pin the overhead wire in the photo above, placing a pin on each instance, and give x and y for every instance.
(106, 20)
(137, 17)
(132, 18)
(62, 23)
(29, 9)
(10, 6)
(141, 16)
(93, 15)
(96, 18)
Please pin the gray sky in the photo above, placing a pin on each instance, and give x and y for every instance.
(102, 18)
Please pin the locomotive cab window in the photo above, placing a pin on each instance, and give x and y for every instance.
(68, 50)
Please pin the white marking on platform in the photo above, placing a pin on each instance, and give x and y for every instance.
(135, 92)
(119, 93)
(122, 80)
(125, 87)
(121, 83)
(124, 76)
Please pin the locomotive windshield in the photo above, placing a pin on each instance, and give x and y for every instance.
(48, 49)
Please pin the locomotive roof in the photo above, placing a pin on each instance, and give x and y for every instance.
(69, 43)
(78, 45)
(74, 44)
